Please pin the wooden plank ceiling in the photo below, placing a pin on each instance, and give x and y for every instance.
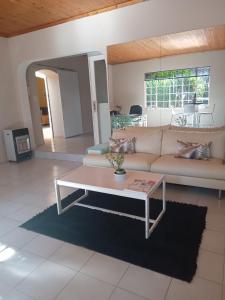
(22, 16)
(173, 44)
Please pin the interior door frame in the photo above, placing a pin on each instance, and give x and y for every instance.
(49, 106)
(94, 102)
(45, 78)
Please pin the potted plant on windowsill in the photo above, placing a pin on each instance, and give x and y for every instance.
(116, 160)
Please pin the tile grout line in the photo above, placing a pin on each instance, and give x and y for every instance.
(8, 215)
(75, 270)
(117, 285)
(44, 261)
(21, 248)
(58, 294)
(210, 251)
(47, 259)
(89, 258)
(167, 290)
(91, 276)
(144, 298)
(20, 281)
(15, 289)
(209, 280)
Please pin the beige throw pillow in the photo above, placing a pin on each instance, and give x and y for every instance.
(193, 150)
(122, 145)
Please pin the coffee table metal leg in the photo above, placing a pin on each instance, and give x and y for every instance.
(164, 195)
(155, 222)
(147, 218)
(59, 200)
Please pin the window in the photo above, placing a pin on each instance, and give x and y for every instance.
(176, 88)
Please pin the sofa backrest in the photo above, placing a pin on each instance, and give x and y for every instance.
(170, 137)
(198, 129)
(148, 139)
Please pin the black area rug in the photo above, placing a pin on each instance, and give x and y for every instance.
(172, 249)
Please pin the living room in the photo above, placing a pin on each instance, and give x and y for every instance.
(36, 263)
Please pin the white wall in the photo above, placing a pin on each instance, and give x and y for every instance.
(102, 100)
(110, 87)
(8, 106)
(71, 108)
(128, 83)
(94, 33)
(101, 81)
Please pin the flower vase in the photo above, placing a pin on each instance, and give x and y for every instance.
(120, 175)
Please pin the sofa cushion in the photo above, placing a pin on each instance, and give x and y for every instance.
(170, 137)
(136, 161)
(148, 139)
(168, 164)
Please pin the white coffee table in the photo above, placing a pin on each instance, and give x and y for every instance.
(102, 180)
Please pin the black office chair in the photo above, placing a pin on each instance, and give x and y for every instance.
(114, 113)
(135, 110)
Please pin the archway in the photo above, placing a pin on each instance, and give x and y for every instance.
(70, 119)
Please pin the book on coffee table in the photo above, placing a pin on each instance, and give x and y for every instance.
(141, 185)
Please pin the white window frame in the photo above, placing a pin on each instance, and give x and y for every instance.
(156, 102)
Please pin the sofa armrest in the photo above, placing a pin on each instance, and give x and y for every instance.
(98, 149)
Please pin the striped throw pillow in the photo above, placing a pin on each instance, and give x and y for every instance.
(123, 145)
(203, 151)
(193, 150)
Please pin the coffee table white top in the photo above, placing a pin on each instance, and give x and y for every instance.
(103, 180)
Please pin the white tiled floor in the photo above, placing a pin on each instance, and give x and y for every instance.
(76, 144)
(84, 287)
(105, 268)
(43, 246)
(46, 281)
(146, 283)
(71, 256)
(36, 267)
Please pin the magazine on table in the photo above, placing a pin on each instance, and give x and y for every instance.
(141, 185)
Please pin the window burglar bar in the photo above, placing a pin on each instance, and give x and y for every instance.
(176, 88)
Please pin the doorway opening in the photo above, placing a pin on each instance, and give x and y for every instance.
(43, 100)
(63, 117)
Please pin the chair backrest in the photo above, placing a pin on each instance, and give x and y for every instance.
(176, 110)
(135, 110)
(201, 107)
(114, 113)
(205, 109)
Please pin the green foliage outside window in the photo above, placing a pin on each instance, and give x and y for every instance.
(176, 88)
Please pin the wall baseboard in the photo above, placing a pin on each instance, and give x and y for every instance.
(58, 155)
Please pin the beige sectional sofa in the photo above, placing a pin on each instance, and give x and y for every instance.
(156, 148)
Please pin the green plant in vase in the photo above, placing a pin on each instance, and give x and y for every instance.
(116, 160)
